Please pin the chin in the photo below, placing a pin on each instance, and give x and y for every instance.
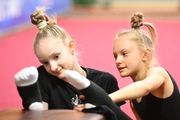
(123, 74)
(59, 76)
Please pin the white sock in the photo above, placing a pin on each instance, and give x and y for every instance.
(89, 105)
(26, 76)
(76, 79)
(36, 106)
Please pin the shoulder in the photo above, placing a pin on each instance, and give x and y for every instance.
(44, 75)
(41, 69)
(158, 71)
(99, 75)
(158, 76)
(102, 78)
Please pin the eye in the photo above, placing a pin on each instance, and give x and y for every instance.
(56, 56)
(45, 63)
(115, 56)
(124, 54)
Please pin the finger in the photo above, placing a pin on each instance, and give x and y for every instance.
(81, 105)
(78, 109)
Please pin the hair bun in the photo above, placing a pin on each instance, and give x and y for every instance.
(136, 20)
(38, 17)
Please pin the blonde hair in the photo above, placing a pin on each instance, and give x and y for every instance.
(47, 26)
(140, 36)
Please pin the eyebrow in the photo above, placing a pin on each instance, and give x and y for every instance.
(41, 61)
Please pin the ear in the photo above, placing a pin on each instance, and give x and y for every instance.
(72, 46)
(146, 55)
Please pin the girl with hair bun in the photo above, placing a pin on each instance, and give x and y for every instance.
(154, 94)
(47, 86)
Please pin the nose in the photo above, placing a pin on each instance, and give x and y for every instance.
(119, 59)
(53, 66)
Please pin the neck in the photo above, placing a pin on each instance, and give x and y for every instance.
(141, 74)
(81, 71)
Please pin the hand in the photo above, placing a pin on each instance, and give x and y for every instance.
(80, 107)
(26, 76)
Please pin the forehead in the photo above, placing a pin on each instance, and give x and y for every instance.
(122, 42)
(50, 41)
(48, 46)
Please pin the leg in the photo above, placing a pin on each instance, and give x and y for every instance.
(94, 94)
(27, 86)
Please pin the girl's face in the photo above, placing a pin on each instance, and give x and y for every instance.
(127, 56)
(55, 55)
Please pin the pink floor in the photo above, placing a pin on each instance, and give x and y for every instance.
(94, 38)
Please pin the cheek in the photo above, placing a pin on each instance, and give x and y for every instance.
(136, 63)
(47, 69)
(132, 61)
(64, 60)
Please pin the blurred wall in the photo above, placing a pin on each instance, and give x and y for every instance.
(14, 14)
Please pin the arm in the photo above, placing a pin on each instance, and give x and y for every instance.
(134, 111)
(91, 91)
(155, 78)
(27, 86)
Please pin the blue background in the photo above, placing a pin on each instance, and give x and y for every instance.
(14, 13)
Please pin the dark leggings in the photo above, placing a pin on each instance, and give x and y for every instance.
(29, 94)
(96, 95)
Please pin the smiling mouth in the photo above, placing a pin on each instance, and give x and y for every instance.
(121, 69)
(58, 72)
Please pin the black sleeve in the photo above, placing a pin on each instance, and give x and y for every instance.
(96, 95)
(102, 109)
(29, 94)
(43, 83)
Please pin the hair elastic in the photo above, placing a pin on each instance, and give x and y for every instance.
(137, 27)
(41, 25)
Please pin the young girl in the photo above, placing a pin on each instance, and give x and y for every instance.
(154, 95)
(47, 87)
